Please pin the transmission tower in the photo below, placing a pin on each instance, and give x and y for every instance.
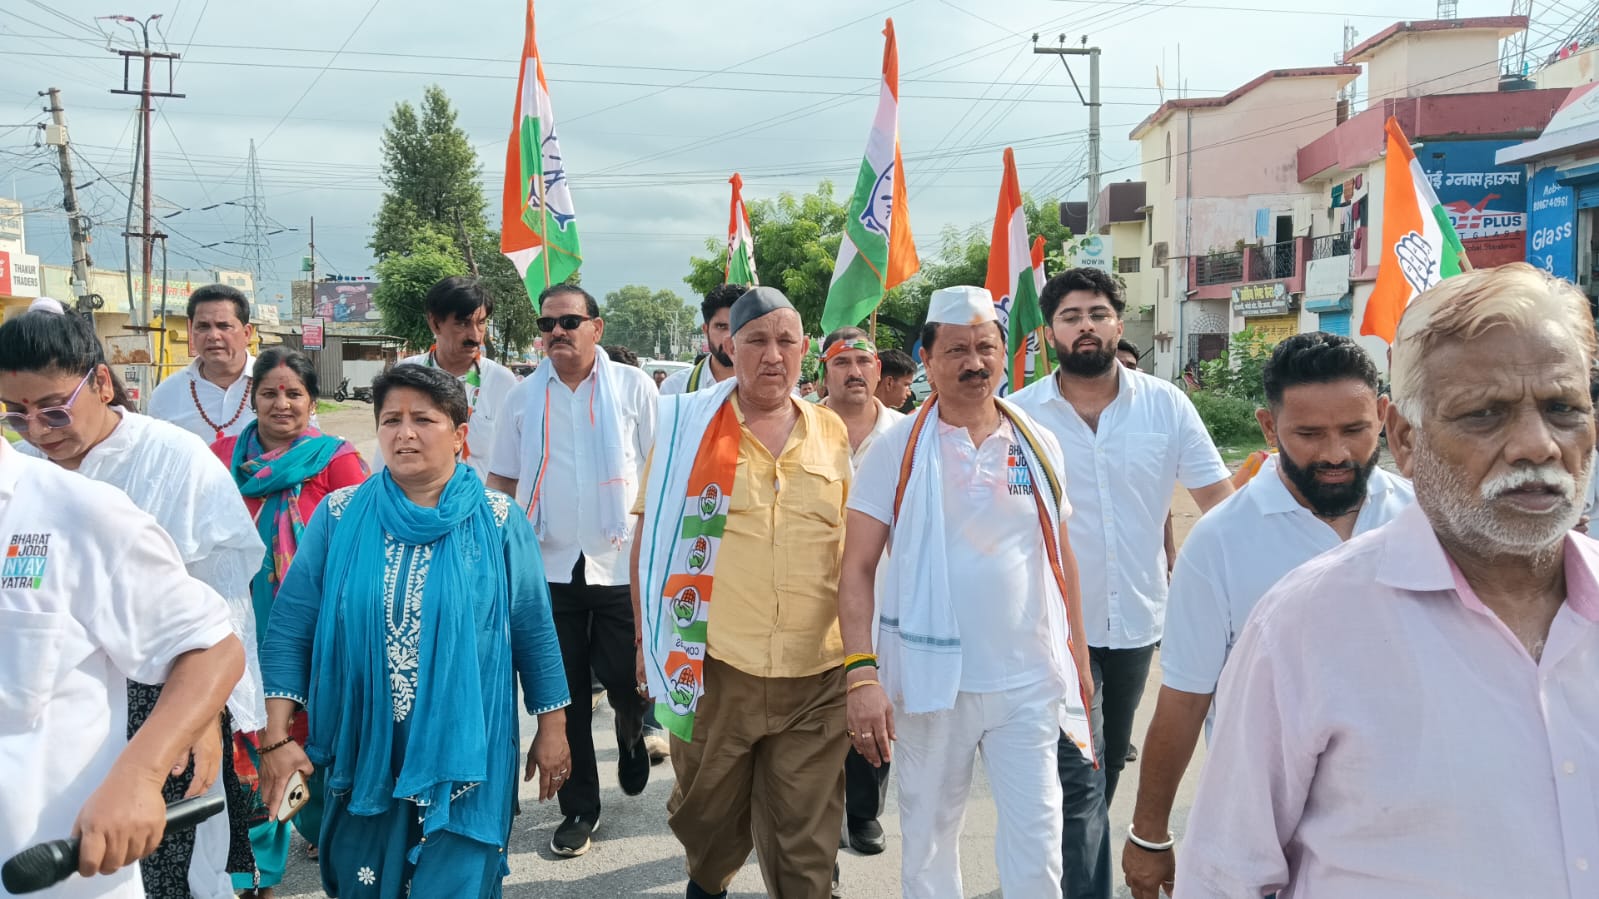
(1513, 58)
(255, 253)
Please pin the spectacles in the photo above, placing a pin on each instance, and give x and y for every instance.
(1098, 317)
(53, 418)
(567, 322)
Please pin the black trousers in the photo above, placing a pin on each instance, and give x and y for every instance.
(865, 787)
(595, 628)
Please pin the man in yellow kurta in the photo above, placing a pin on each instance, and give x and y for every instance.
(736, 572)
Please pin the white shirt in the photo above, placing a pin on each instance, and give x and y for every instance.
(574, 449)
(488, 410)
(885, 420)
(1383, 735)
(172, 401)
(175, 477)
(1237, 552)
(92, 594)
(993, 542)
(1120, 479)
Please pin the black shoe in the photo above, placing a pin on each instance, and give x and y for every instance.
(573, 837)
(633, 767)
(1132, 753)
(866, 836)
(695, 892)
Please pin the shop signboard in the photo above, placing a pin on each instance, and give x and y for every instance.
(1552, 225)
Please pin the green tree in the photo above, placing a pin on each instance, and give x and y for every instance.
(434, 192)
(654, 325)
(796, 243)
(404, 279)
(962, 256)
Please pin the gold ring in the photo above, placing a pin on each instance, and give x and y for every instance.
(850, 734)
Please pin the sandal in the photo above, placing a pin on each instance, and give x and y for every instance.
(310, 853)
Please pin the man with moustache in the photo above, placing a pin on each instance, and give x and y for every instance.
(576, 434)
(851, 373)
(736, 591)
(1129, 439)
(1322, 488)
(717, 365)
(1413, 713)
(978, 614)
(211, 397)
(458, 313)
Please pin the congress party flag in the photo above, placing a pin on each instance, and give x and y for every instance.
(538, 226)
(740, 267)
(877, 253)
(1013, 281)
(1419, 243)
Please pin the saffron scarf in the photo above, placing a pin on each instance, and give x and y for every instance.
(920, 642)
(685, 513)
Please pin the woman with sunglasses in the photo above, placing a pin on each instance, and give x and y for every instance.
(284, 466)
(62, 399)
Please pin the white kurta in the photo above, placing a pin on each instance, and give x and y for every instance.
(173, 401)
(92, 594)
(171, 474)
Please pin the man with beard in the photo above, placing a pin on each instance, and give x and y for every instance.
(717, 365)
(1129, 439)
(850, 373)
(1413, 713)
(458, 311)
(1322, 488)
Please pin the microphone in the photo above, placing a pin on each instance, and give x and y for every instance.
(47, 864)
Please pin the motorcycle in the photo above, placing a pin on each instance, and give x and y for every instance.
(343, 393)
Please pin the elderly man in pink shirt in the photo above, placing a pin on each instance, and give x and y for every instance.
(1416, 713)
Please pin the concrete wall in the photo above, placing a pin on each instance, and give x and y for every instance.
(1433, 62)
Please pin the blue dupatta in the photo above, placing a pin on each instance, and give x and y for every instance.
(446, 750)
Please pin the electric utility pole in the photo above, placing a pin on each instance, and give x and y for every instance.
(1092, 102)
(147, 234)
(77, 222)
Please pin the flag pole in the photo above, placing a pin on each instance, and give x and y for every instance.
(544, 222)
(873, 331)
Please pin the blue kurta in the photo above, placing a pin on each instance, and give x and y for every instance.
(439, 822)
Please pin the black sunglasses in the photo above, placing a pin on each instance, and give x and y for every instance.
(567, 322)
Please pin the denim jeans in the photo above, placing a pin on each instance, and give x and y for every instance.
(1119, 678)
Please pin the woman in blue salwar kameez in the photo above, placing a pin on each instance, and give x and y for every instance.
(416, 603)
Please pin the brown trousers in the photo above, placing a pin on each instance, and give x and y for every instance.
(765, 771)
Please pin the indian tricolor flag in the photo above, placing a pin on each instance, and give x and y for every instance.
(740, 268)
(1419, 243)
(877, 253)
(538, 228)
(1013, 281)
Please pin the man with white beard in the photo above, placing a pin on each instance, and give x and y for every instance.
(1413, 713)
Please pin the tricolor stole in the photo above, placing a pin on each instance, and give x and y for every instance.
(695, 374)
(692, 575)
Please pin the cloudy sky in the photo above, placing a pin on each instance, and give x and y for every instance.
(656, 104)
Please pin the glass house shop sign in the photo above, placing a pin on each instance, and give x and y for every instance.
(1268, 298)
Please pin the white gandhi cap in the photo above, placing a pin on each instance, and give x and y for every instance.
(961, 306)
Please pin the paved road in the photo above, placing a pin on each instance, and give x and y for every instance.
(635, 853)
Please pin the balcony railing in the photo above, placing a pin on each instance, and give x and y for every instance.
(1220, 268)
(1272, 261)
(1329, 245)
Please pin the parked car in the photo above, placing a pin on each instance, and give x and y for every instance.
(921, 389)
